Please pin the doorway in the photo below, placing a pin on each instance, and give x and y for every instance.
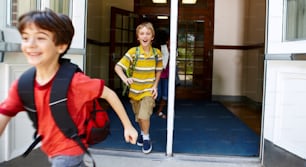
(195, 47)
(195, 42)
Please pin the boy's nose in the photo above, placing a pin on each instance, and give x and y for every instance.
(31, 42)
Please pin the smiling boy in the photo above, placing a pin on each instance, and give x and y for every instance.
(144, 80)
(46, 37)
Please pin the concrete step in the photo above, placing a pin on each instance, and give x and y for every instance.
(122, 158)
(111, 158)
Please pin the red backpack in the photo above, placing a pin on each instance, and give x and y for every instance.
(98, 124)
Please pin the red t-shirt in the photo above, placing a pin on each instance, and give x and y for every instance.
(81, 92)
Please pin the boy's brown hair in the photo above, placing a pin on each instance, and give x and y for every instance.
(60, 25)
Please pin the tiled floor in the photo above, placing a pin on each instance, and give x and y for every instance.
(249, 115)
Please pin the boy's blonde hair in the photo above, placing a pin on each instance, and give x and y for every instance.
(148, 25)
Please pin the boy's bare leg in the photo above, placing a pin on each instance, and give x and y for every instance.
(144, 125)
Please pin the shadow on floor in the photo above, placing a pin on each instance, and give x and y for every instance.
(35, 159)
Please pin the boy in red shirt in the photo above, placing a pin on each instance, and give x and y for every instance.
(46, 37)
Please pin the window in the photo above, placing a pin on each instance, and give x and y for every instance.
(295, 20)
(19, 7)
(190, 53)
(60, 6)
(286, 28)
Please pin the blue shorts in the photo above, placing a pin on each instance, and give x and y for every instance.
(163, 89)
(64, 160)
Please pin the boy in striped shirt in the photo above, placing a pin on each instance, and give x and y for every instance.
(142, 80)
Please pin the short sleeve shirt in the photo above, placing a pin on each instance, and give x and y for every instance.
(144, 73)
(81, 92)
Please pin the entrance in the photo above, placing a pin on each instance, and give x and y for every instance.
(195, 43)
(194, 64)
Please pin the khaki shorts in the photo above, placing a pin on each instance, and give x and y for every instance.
(143, 108)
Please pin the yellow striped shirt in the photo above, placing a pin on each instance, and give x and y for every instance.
(144, 72)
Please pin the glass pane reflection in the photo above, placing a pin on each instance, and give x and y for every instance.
(60, 6)
(19, 7)
(295, 20)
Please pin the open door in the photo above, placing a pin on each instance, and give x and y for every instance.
(18, 134)
(194, 61)
(122, 37)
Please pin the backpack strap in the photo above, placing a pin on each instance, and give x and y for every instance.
(129, 71)
(25, 92)
(58, 102)
(156, 57)
(135, 60)
(58, 99)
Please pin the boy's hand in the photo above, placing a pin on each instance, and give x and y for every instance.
(130, 135)
(128, 81)
(154, 92)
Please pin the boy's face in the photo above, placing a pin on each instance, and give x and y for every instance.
(145, 37)
(38, 46)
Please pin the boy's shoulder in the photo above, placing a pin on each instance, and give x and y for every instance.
(156, 50)
(133, 49)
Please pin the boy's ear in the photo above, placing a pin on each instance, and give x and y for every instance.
(62, 48)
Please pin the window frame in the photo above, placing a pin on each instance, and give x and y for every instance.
(275, 30)
(78, 17)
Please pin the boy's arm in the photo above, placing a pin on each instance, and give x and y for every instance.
(122, 75)
(155, 85)
(3, 122)
(130, 132)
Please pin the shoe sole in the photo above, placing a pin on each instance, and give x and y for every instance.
(139, 144)
(147, 151)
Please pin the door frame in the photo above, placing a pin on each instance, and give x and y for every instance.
(283, 89)
(114, 56)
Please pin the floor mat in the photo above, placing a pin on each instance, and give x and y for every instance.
(200, 127)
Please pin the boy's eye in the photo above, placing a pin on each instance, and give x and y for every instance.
(24, 38)
(41, 38)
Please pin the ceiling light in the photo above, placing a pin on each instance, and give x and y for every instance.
(189, 1)
(162, 17)
(159, 1)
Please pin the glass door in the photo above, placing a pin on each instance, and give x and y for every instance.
(122, 38)
(194, 62)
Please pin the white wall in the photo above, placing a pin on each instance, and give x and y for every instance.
(18, 134)
(238, 23)
(229, 29)
(230, 22)
(228, 72)
(285, 95)
(285, 91)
